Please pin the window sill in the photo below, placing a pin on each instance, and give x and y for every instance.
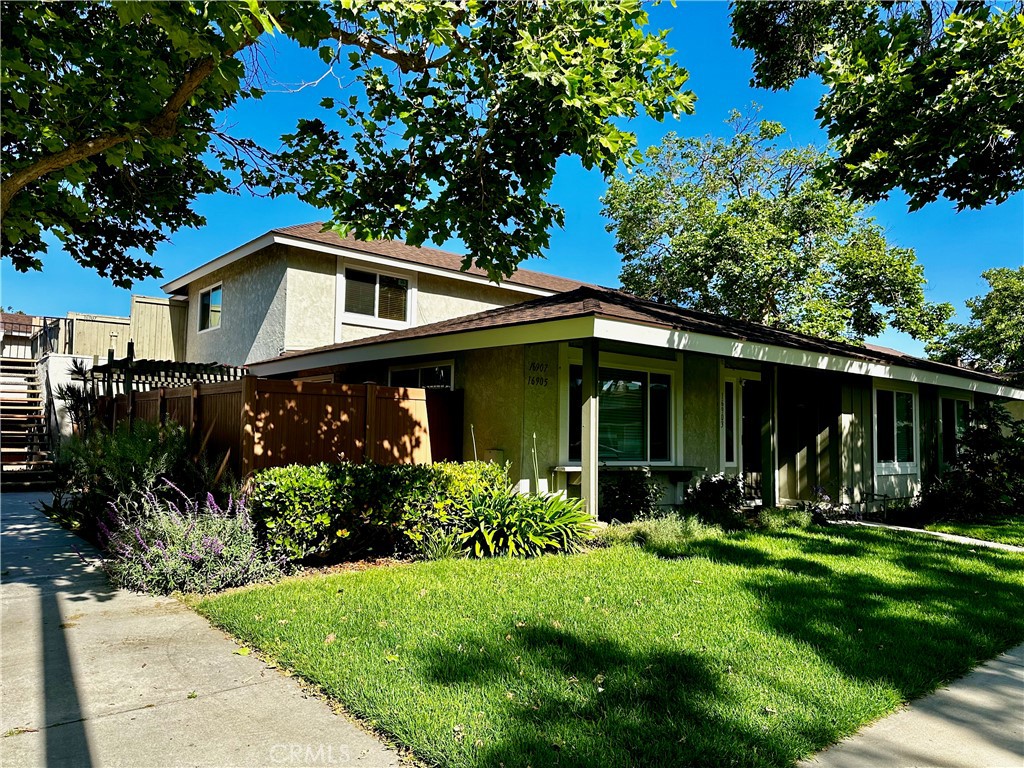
(894, 469)
(368, 321)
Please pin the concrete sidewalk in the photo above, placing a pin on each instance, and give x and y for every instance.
(975, 722)
(953, 537)
(92, 676)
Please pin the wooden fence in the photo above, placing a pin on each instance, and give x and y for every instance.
(258, 423)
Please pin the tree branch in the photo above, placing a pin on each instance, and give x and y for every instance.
(162, 125)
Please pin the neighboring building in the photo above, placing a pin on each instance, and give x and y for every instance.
(296, 288)
(595, 380)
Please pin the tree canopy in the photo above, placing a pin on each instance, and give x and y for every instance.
(993, 339)
(742, 227)
(451, 125)
(923, 96)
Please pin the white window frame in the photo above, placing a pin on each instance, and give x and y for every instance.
(199, 308)
(884, 468)
(736, 377)
(449, 364)
(671, 368)
(372, 321)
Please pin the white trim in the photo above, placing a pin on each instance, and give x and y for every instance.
(620, 330)
(271, 238)
(947, 394)
(514, 335)
(199, 309)
(624, 331)
(890, 468)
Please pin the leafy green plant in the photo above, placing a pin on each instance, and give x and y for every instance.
(104, 466)
(505, 522)
(987, 477)
(345, 509)
(161, 546)
(302, 510)
(628, 495)
(717, 500)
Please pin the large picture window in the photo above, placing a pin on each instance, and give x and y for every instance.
(209, 308)
(634, 415)
(894, 427)
(382, 296)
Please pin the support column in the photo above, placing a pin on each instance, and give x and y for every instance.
(769, 448)
(588, 457)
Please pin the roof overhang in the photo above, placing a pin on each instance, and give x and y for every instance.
(595, 326)
(180, 284)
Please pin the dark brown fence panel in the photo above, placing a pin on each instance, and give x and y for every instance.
(147, 406)
(398, 432)
(220, 411)
(178, 406)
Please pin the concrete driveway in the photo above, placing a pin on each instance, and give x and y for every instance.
(92, 676)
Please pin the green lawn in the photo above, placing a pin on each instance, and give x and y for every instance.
(754, 650)
(1009, 530)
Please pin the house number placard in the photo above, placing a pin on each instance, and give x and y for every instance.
(537, 374)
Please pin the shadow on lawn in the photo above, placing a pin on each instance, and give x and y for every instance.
(910, 630)
(653, 708)
(926, 625)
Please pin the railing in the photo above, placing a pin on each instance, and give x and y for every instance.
(34, 337)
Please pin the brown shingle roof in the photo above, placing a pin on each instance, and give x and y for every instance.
(396, 249)
(618, 305)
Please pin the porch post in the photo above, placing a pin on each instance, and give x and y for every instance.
(588, 453)
(769, 423)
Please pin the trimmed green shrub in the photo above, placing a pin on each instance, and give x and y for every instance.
(345, 510)
(717, 500)
(160, 546)
(302, 510)
(630, 494)
(669, 536)
(502, 521)
(783, 518)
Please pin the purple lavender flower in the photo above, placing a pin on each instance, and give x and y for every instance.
(138, 537)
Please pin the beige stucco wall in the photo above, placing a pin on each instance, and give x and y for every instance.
(541, 397)
(441, 298)
(701, 433)
(493, 384)
(253, 316)
(309, 314)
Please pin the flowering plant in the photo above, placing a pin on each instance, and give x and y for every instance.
(161, 546)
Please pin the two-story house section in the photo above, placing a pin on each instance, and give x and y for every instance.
(298, 287)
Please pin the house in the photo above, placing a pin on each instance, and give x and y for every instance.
(585, 382)
(298, 287)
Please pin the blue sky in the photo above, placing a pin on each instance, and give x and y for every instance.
(954, 247)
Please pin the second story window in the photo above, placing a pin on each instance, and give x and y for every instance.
(209, 308)
(382, 296)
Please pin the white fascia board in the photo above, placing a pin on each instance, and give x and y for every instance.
(533, 333)
(271, 238)
(402, 264)
(618, 330)
(219, 263)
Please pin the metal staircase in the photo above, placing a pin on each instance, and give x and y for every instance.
(24, 439)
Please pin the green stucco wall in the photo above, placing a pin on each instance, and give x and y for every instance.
(701, 436)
